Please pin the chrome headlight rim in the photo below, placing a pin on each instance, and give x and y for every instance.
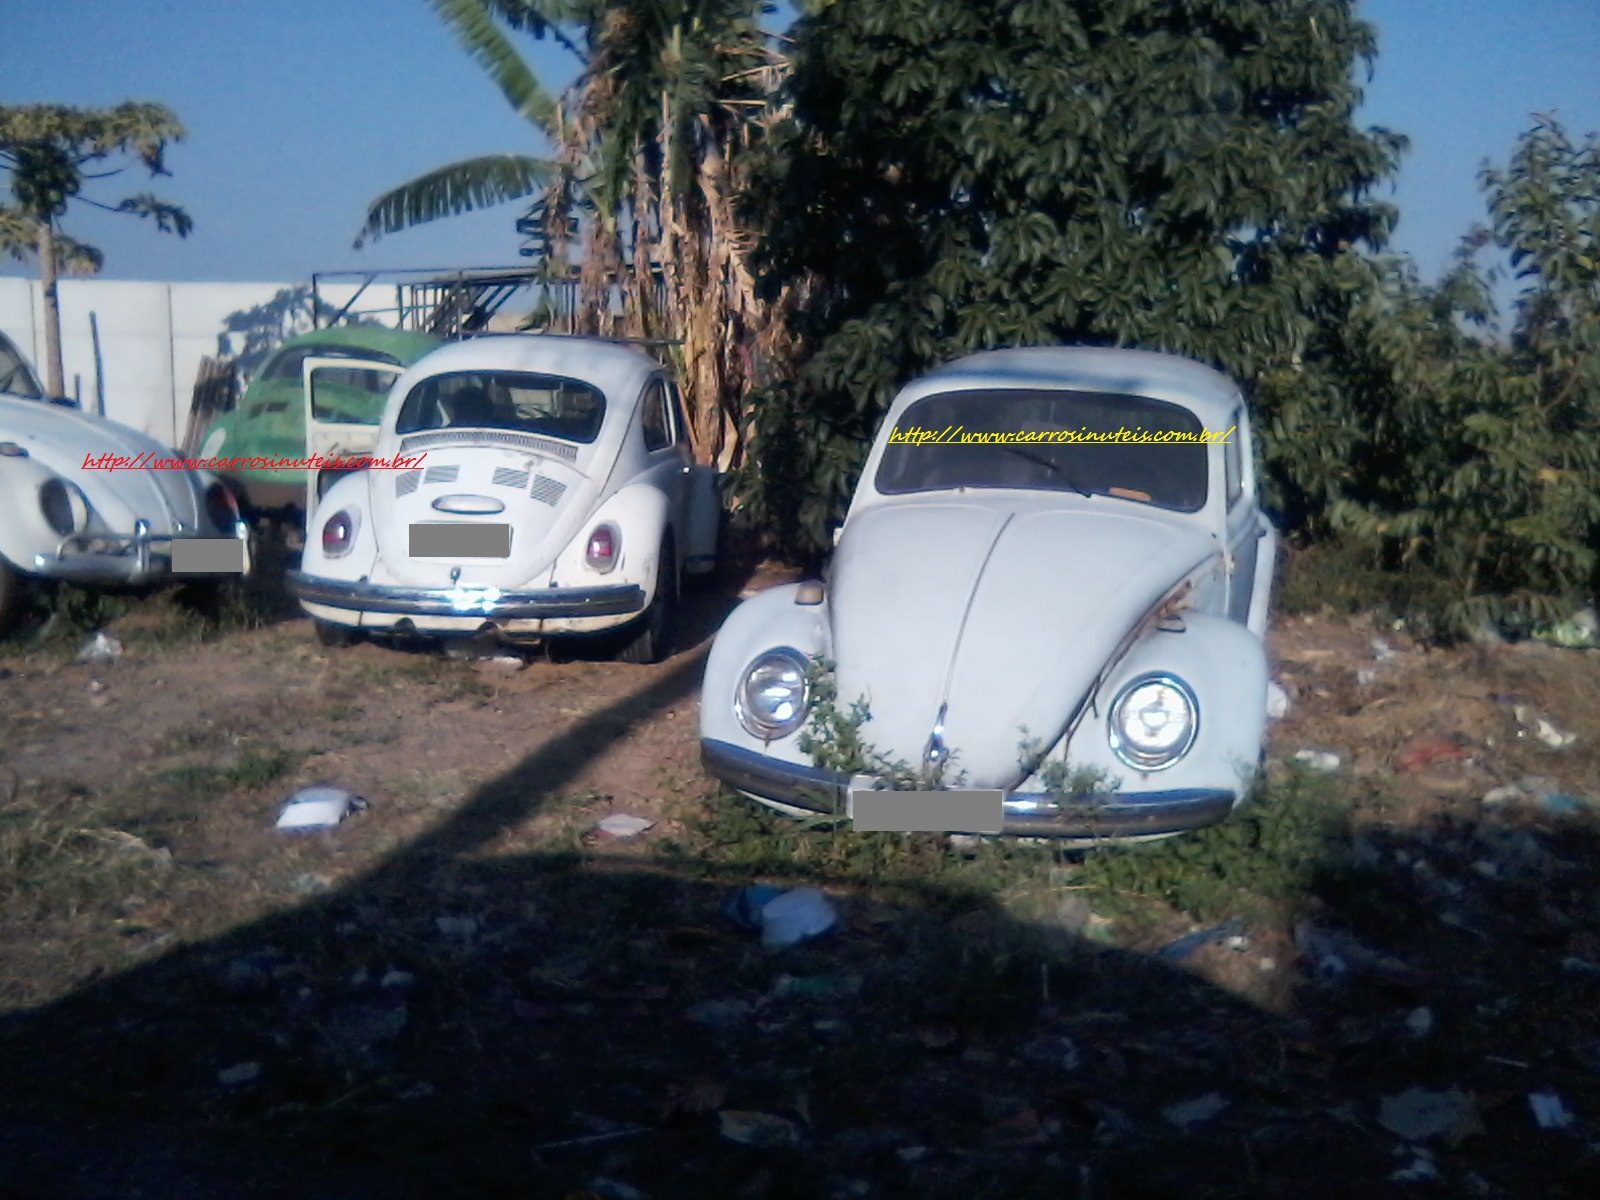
(751, 721)
(1147, 761)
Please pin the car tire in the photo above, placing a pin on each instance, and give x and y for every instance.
(333, 636)
(13, 597)
(652, 633)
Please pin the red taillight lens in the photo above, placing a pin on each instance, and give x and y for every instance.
(221, 507)
(604, 544)
(338, 534)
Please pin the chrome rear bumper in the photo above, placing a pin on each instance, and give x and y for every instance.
(1031, 814)
(463, 601)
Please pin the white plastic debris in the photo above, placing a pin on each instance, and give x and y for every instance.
(1553, 735)
(1277, 701)
(1381, 650)
(318, 808)
(1548, 1111)
(245, 1072)
(1367, 676)
(1417, 1114)
(1192, 1112)
(1318, 760)
(623, 825)
(796, 915)
(102, 647)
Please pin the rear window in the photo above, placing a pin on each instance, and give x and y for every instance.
(1167, 475)
(521, 402)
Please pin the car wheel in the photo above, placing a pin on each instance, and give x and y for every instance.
(13, 596)
(329, 634)
(653, 631)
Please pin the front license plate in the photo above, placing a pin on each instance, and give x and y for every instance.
(208, 556)
(970, 810)
(460, 539)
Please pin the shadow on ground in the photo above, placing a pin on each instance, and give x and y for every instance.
(464, 1022)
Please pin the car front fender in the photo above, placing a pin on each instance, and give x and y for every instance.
(23, 530)
(766, 621)
(1225, 666)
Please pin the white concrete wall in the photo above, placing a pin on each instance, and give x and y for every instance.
(153, 336)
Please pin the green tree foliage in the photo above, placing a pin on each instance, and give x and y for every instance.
(48, 151)
(957, 175)
(1469, 460)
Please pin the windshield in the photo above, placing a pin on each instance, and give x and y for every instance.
(521, 402)
(15, 376)
(962, 446)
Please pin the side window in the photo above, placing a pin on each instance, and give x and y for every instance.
(1233, 462)
(679, 421)
(654, 419)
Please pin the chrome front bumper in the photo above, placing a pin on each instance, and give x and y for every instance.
(465, 601)
(1031, 814)
(128, 558)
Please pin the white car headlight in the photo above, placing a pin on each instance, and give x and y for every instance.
(771, 700)
(1153, 722)
(63, 505)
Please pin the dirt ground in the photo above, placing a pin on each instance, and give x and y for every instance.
(466, 989)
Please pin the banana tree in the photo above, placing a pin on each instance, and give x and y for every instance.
(644, 170)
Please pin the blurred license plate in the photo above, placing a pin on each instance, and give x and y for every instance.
(460, 539)
(969, 810)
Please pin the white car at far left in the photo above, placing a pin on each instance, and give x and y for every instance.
(140, 524)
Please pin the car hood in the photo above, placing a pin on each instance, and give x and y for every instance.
(999, 613)
(60, 438)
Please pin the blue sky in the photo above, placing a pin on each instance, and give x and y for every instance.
(300, 111)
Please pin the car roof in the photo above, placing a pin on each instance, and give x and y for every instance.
(407, 345)
(1208, 393)
(619, 369)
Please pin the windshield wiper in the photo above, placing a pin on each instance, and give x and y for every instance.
(1054, 468)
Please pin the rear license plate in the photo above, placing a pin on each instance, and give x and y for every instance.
(460, 539)
(970, 810)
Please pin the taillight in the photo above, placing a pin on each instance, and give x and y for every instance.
(605, 543)
(221, 507)
(338, 534)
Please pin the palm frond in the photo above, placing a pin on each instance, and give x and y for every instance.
(475, 29)
(19, 236)
(77, 258)
(169, 218)
(458, 188)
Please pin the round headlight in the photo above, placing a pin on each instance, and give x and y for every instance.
(771, 699)
(1153, 722)
(63, 506)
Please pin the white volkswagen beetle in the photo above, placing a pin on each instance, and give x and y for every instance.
(91, 501)
(530, 486)
(1056, 628)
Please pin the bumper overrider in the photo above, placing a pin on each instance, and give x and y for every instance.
(463, 600)
(1034, 814)
(138, 557)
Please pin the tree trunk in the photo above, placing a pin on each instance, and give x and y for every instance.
(53, 374)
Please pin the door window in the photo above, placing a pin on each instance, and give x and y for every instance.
(1233, 463)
